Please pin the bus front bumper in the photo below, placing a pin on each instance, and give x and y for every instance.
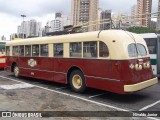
(141, 85)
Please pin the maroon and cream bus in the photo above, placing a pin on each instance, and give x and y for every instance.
(111, 60)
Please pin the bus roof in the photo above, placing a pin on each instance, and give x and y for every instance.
(116, 40)
(148, 35)
(110, 35)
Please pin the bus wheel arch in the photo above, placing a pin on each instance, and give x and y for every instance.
(13, 65)
(76, 79)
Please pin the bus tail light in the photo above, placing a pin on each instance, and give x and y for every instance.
(146, 65)
(138, 67)
(131, 66)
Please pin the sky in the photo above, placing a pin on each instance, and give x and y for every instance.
(43, 11)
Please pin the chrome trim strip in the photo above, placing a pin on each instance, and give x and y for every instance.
(103, 78)
(44, 70)
(109, 79)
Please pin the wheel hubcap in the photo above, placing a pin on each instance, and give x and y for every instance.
(16, 71)
(77, 81)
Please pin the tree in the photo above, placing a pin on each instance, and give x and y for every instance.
(141, 30)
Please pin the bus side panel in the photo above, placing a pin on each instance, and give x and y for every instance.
(62, 65)
(2, 62)
(104, 75)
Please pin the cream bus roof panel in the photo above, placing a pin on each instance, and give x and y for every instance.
(79, 37)
(122, 40)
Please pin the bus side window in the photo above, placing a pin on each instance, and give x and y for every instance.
(15, 50)
(35, 50)
(21, 50)
(44, 50)
(103, 50)
(2, 47)
(7, 51)
(76, 49)
(28, 50)
(90, 49)
(58, 50)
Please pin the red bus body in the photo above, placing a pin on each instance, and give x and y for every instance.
(110, 75)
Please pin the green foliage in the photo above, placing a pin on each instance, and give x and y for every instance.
(141, 30)
(32, 36)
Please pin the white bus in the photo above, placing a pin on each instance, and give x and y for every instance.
(153, 43)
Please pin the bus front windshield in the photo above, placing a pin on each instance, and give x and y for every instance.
(2, 46)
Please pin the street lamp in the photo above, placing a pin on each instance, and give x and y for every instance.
(23, 16)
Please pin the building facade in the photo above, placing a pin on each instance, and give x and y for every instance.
(28, 28)
(144, 8)
(105, 20)
(158, 18)
(84, 11)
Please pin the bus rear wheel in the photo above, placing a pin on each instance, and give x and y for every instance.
(16, 71)
(77, 81)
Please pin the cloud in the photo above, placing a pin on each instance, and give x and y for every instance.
(34, 7)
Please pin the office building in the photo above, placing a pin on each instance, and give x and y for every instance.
(84, 11)
(144, 8)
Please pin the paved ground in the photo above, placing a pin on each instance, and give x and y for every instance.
(26, 94)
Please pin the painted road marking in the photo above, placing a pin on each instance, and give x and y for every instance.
(81, 98)
(96, 95)
(74, 96)
(61, 88)
(148, 106)
(16, 86)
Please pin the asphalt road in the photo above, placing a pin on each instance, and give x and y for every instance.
(49, 96)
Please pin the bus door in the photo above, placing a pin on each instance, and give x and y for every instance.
(158, 55)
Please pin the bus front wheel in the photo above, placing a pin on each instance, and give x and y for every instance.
(16, 71)
(77, 81)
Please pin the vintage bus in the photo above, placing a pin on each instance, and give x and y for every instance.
(2, 54)
(153, 43)
(111, 60)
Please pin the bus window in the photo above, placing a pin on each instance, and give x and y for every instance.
(15, 51)
(28, 50)
(141, 50)
(7, 51)
(58, 50)
(89, 49)
(76, 49)
(35, 50)
(44, 50)
(2, 47)
(103, 50)
(152, 45)
(21, 50)
(132, 51)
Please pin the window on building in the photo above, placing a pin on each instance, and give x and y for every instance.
(58, 50)
(44, 50)
(89, 49)
(76, 49)
(21, 50)
(15, 51)
(35, 50)
(28, 50)
(103, 50)
(7, 51)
